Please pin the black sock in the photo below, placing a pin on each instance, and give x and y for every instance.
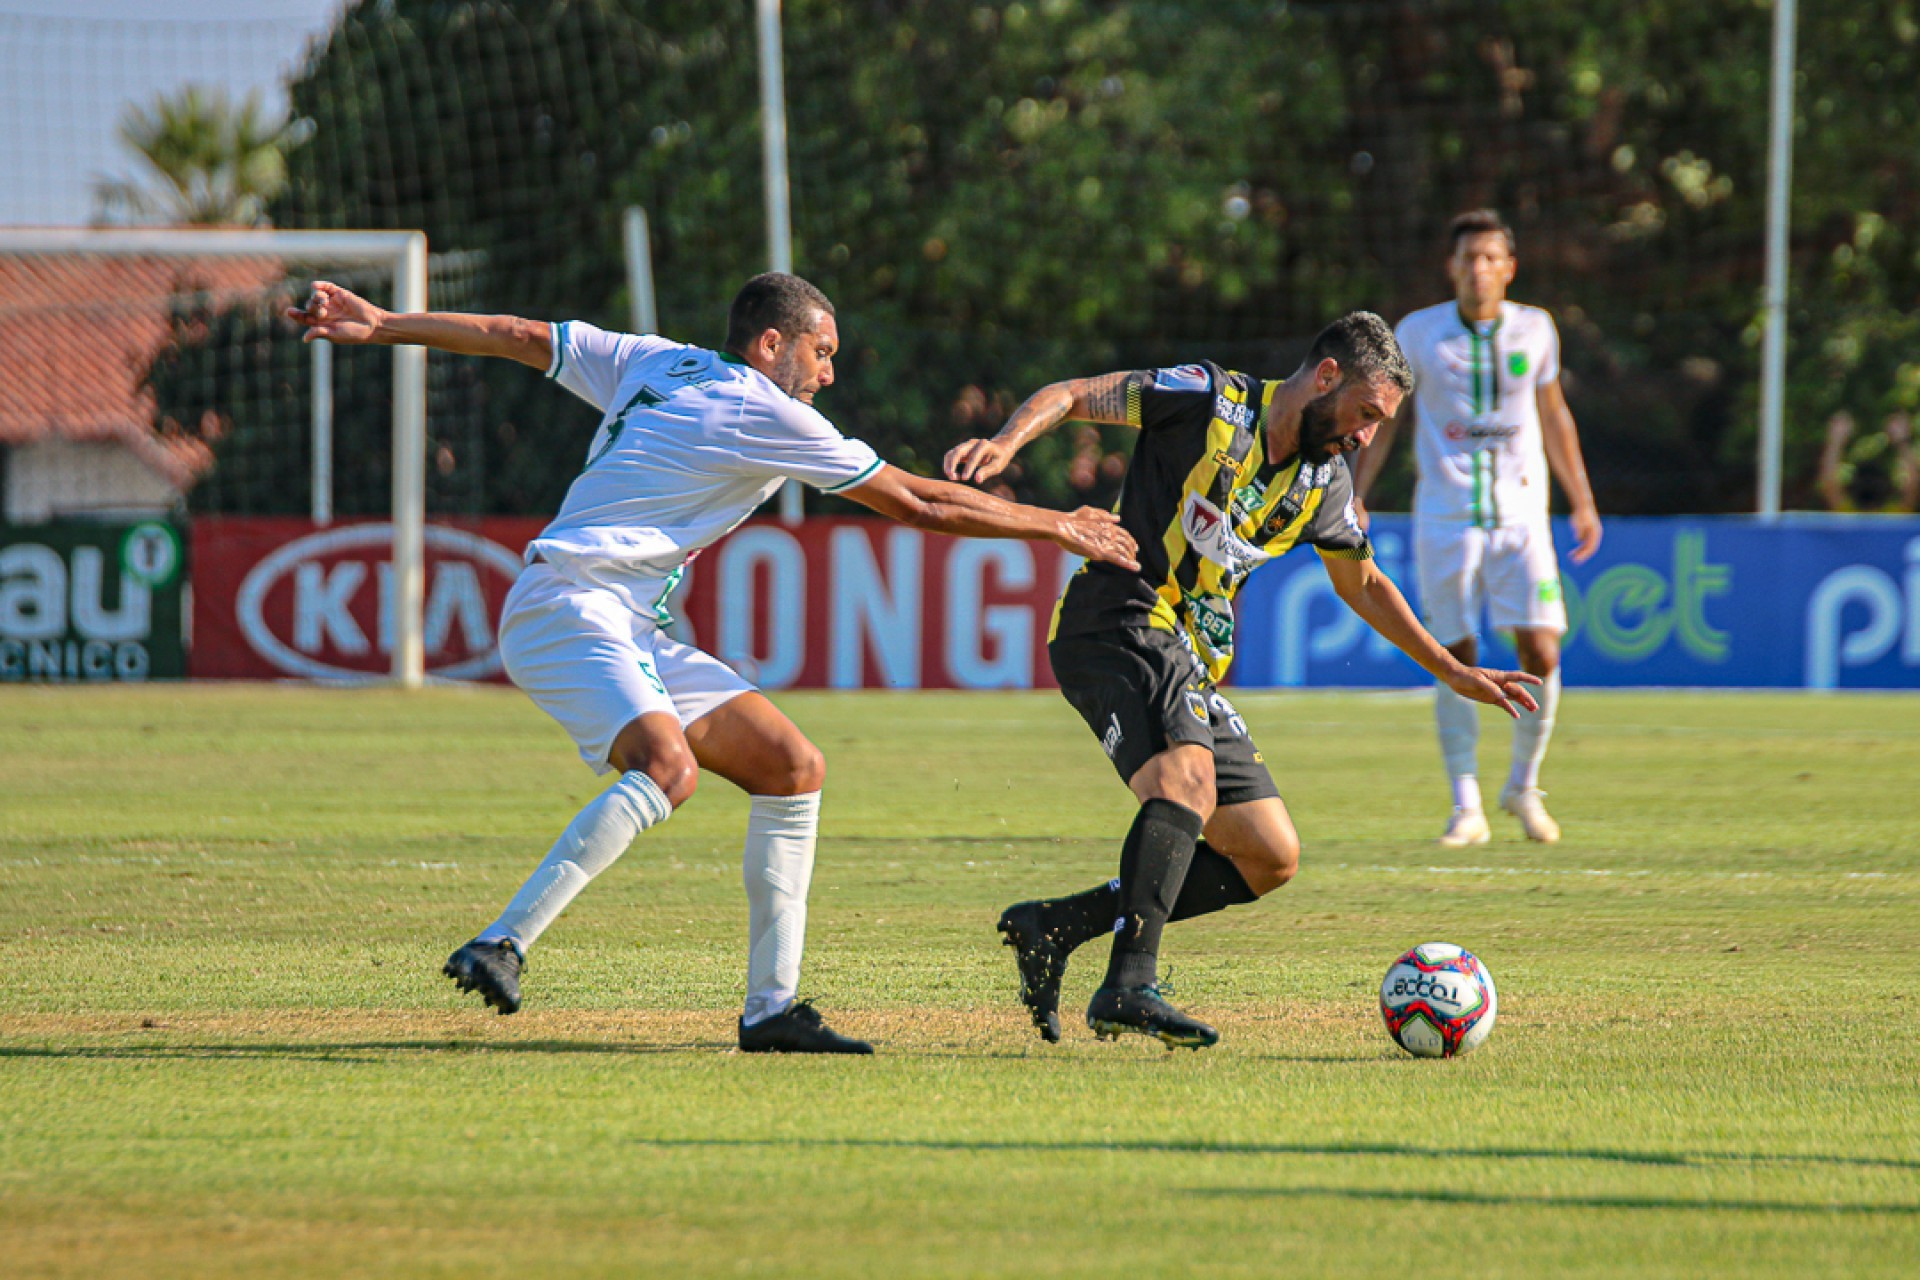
(1213, 884)
(1153, 865)
(1082, 917)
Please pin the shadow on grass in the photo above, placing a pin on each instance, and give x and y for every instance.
(1547, 1202)
(348, 1051)
(1669, 1159)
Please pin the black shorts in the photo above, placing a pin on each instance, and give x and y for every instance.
(1141, 691)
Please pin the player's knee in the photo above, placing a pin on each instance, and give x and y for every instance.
(1191, 787)
(670, 765)
(1271, 863)
(803, 769)
(676, 774)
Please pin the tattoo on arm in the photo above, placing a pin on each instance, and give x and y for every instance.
(1102, 399)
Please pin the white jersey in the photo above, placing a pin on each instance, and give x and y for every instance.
(690, 443)
(1476, 422)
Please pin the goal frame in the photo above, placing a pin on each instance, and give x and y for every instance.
(404, 253)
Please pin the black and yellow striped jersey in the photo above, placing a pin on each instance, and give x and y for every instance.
(1207, 507)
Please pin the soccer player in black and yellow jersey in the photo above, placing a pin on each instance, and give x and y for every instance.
(1229, 472)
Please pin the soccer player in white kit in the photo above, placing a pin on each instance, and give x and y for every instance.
(1489, 419)
(690, 442)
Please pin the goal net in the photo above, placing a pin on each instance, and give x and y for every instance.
(150, 371)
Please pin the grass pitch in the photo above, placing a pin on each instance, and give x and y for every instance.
(226, 1049)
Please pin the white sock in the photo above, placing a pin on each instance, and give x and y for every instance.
(777, 868)
(1531, 732)
(1459, 721)
(595, 838)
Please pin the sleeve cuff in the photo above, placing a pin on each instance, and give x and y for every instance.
(864, 476)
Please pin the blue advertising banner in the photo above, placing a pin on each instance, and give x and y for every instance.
(1813, 602)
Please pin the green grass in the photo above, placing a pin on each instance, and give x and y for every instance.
(226, 1050)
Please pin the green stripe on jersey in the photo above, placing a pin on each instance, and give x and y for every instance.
(862, 478)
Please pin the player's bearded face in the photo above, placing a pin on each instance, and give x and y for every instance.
(1320, 427)
(805, 362)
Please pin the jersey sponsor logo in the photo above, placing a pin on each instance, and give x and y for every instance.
(1196, 706)
(1480, 431)
(1211, 535)
(1210, 619)
(1111, 739)
(1186, 377)
(1232, 412)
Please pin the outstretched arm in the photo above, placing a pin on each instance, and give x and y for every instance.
(1569, 468)
(939, 507)
(1372, 595)
(344, 317)
(1101, 399)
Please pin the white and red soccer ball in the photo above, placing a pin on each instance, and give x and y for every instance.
(1438, 1001)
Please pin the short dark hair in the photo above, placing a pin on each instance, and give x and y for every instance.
(1364, 347)
(774, 300)
(1476, 222)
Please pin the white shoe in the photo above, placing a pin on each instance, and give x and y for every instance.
(1467, 826)
(1525, 804)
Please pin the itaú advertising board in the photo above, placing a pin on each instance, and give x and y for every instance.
(283, 598)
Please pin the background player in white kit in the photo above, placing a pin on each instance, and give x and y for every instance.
(1489, 419)
(691, 441)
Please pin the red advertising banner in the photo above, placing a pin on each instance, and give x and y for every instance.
(869, 604)
(285, 598)
(841, 604)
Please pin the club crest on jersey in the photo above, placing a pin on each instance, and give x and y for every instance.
(1186, 377)
(1211, 534)
(1197, 706)
(1517, 363)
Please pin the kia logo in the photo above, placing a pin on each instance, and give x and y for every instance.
(311, 588)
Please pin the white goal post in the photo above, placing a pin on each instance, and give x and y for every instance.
(402, 252)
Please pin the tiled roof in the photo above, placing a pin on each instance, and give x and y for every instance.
(77, 333)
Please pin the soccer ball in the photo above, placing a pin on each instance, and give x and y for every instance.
(1438, 1001)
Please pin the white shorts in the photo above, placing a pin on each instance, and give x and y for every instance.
(1510, 570)
(595, 665)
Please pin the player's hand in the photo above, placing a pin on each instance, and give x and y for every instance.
(977, 461)
(338, 315)
(1097, 535)
(1495, 688)
(1586, 533)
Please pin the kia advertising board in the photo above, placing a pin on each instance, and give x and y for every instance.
(283, 598)
(90, 601)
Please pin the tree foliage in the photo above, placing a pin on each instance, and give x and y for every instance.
(1002, 194)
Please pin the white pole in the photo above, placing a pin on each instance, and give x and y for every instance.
(773, 136)
(1773, 358)
(410, 475)
(773, 149)
(639, 245)
(322, 432)
(406, 253)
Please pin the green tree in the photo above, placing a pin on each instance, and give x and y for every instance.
(208, 161)
(999, 194)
